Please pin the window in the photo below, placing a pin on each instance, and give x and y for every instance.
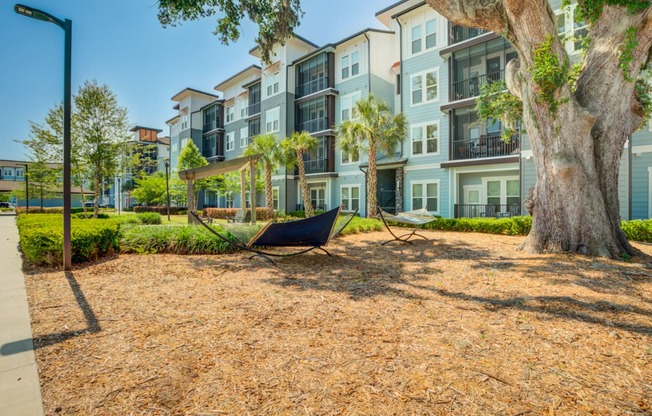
(350, 157)
(275, 198)
(427, 81)
(230, 141)
(425, 194)
(502, 193)
(425, 139)
(230, 113)
(244, 137)
(184, 121)
(184, 142)
(272, 120)
(350, 197)
(347, 106)
(345, 67)
(431, 34)
(350, 65)
(570, 28)
(229, 199)
(244, 108)
(175, 147)
(416, 39)
(19, 173)
(207, 198)
(355, 64)
(273, 84)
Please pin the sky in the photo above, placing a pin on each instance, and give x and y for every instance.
(120, 43)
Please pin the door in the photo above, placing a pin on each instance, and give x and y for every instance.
(471, 201)
(318, 198)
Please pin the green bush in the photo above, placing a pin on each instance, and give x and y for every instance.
(150, 218)
(509, 226)
(41, 238)
(638, 230)
(262, 213)
(55, 210)
(171, 239)
(81, 216)
(359, 225)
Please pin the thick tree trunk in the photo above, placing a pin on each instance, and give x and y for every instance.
(269, 194)
(305, 192)
(372, 181)
(577, 147)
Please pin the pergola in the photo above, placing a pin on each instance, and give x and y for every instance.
(241, 164)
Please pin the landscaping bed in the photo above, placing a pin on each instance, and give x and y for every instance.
(461, 324)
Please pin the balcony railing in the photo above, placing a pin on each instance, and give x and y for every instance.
(311, 126)
(315, 166)
(460, 33)
(313, 86)
(485, 146)
(212, 125)
(487, 210)
(254, 109)
(470, 87)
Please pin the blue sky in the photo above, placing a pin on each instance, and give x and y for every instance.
(121, 43)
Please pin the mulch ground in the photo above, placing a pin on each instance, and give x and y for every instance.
(462, 324)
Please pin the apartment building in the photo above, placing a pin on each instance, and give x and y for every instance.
(423, 66)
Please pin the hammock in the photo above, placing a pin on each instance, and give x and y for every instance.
(417, 217)
(313, 233)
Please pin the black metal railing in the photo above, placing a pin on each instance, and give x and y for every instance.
(315, 166)
(253, 109)
(460, 33)
(487, 210)
(212, 125)
(311, 126)
(470, 87)
(485, 146)
(311, 87)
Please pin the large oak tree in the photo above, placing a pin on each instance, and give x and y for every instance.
(578, 125)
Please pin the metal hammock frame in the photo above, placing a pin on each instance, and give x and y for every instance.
(416, 218)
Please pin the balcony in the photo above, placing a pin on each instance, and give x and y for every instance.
(485, 146)
(253, 109)
(314, 166)
(487, 210)
(312, 126)
(210, 126)
(460, 33)
(470, 87)
(312, 87)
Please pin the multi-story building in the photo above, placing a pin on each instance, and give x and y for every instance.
(422, 65)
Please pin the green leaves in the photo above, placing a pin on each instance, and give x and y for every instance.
(547, 73)
(496, 103)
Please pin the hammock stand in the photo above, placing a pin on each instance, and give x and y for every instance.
(313, 233)
(417, 218)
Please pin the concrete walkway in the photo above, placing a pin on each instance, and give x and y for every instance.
(20, 389)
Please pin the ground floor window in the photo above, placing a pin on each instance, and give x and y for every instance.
(275, 193)
(229, 199)
(503, 191)
(350, 197)
(425, 194)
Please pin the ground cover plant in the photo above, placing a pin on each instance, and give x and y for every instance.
(461, 324)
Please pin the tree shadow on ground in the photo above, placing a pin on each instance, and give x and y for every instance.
(92, 325)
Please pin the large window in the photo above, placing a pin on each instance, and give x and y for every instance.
(273, 82)
(347, 103)
(425, 87)
(272, 118)
(244, 137)
(230, 113)
(503, 192)
(425, 139)
(230, 141)
(426, 194)
(312, 75)
(423, 35)
(211, 118)
(350, 65)
(571, 28)
(311, 115)
(350, 197)
(350, 157)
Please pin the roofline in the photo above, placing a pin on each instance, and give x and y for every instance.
(231, 78)
(220, 101)
(362, 32)
(250, 83)
(294, 35)
(409, 9)
(193, 90)
(168, 121)
(315, 52)
(390, 7)
(137, 127)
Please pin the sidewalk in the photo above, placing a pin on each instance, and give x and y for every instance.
(20, 389)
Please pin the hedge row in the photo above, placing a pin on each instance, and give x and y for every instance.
(262, 214)
(56, 210)
(163, 210)
(176, 240)
(638, 230)
(41, 238)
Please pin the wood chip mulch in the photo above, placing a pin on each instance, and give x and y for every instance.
(462, 324)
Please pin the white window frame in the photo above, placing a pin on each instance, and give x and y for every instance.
(229, 114)
(503, 188)
(244, 136)
(424, 138)
(19, 173)
(349, 205)
(424, 87)
(184, 121)
(273, 84)
(184, 142)
(276, 197)
(349, 100)
(419, 23)
(229, 197)
(352, 60)
(244, 108)
(273, 115)
(425, 184)
(569, 27)
(229, 138)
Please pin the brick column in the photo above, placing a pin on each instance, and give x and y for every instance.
(399, 189)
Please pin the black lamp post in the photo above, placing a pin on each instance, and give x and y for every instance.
(167, 184)
(119, 194)
(66, 25)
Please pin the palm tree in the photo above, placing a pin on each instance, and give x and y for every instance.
(268, 147)
(375, 128)
(294, 149)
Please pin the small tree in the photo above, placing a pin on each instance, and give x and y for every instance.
(374, 129)
(294, 149)
(189, 158)
(150, 190)
(272, 157)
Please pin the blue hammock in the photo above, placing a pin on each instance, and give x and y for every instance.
(313, 233)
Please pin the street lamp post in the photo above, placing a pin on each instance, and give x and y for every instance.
(66, 25)
(119, 194)
(167, 185)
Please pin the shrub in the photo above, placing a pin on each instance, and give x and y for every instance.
(81, 216)
(161, 210)
(150, 218)
(638, 230)
(262, 213)
(55, 210)
(41, 238)
(171, 239)
(509, 226)
(360, 225)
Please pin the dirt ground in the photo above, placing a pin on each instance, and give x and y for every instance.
(462, 324)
